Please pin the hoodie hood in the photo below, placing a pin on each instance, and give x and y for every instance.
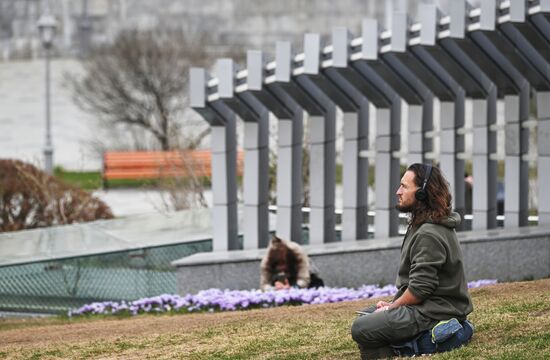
(452, 221)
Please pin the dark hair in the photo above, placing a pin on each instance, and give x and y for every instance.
(437, 206)
(281, 277)
(282, 260)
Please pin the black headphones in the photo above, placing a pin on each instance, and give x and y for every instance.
(421, 194)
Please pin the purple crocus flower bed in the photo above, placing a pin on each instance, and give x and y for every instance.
(228, 300)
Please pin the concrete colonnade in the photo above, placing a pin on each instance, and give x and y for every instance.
(497, 51)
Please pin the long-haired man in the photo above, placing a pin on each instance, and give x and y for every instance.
(431, 283)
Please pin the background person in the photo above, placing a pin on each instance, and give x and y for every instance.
(431, 283)
(286, 265)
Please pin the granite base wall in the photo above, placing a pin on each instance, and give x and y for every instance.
(506, 255)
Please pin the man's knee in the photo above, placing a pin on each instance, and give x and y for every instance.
(357, 330)
(363, 330)
(385, 327)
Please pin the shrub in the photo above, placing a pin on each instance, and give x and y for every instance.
(30, 198)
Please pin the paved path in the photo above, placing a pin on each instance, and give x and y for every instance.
(125, 202)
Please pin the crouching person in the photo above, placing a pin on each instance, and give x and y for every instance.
(286, 265)
(428, 313)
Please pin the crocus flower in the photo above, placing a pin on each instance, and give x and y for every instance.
(230, 300)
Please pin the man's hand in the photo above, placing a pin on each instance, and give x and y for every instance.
(382, 304)
(406, 299)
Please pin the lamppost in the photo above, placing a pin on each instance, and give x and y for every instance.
(47, 26)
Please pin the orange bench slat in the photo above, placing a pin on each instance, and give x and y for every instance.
(157, 164)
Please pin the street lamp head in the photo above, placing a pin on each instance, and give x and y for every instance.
(47, 26)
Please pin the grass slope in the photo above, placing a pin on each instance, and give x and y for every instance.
(512, 322)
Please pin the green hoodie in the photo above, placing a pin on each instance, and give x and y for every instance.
(432, 269)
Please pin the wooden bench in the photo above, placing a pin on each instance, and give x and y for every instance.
(139, 165)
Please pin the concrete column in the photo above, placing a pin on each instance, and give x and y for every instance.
(543, 138)
(355, 174)
(256, 157)
(452, 143)
(355, 137)
(420, 120)
(387, 170)
(256, 162)
(256, 182)
(289, 146)
(322, 139)
(388, 121)
(224, 162)
(224, 186)
(484, 168)
(289, 178)
(415, 85)
(516, 169)
(322, 177)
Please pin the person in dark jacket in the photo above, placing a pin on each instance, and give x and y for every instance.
(431, 283)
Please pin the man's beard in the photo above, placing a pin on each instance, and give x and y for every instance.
(405, 209)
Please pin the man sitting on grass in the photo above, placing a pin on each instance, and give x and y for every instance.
(432, 288)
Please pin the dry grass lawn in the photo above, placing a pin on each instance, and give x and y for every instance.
(512, 322)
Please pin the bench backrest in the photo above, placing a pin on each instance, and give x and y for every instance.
(158, 164)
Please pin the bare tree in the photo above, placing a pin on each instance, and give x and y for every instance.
(139, 83)
(179, 193)
(137, 88)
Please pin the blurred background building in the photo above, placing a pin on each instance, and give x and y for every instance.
(256, 24)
